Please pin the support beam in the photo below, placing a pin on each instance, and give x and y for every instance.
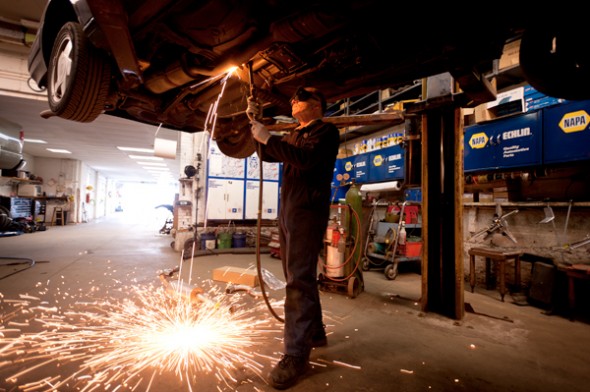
(442, 190)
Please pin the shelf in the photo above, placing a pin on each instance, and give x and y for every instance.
(17, 180)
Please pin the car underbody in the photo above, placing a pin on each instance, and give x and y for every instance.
(168, 61)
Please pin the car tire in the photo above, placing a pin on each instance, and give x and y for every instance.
(237, 144)
(78, 76)
(557, 73)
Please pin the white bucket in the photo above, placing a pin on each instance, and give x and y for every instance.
(334, 263)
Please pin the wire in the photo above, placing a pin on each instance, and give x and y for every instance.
(258, 235)
(250, 115)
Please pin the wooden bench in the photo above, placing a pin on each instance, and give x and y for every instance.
(501, 258)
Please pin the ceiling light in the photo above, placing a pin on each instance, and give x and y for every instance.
(146, 157)
(135, 149)
(59, 150)
(159, 169)
(151, 163)
(39, 141)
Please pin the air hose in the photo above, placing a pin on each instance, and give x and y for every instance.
(252, 112)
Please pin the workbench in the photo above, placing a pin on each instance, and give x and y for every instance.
(500, 257)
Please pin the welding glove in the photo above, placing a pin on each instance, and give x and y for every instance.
(253, 111)
(259, 132)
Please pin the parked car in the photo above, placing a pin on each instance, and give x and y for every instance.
(11, 148)
(166, 61)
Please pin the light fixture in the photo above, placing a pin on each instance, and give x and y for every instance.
(37, 141)
(59, 150)
(135, 149)
(146, 157)
(151, 163)
(159, 169)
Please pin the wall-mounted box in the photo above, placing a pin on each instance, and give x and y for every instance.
(509, 143)
(567, 132)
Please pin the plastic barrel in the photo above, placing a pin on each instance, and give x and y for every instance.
(224, 240)
(239, 240)
(208, 241)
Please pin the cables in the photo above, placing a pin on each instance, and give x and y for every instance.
(253, 111)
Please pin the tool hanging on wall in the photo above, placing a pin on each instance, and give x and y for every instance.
(499, 223)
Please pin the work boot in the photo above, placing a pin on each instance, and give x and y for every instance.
(319, 338)
(286, 373)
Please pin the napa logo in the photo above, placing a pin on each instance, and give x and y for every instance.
(574, 121)
(478, 140)
(378, 160)
(348, 166)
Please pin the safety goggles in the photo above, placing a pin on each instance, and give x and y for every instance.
(302, 95)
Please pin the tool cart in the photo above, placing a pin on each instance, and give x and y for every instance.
(393, 241)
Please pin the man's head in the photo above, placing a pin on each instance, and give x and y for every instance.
(311, 97)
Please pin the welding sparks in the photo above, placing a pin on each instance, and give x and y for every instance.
(127, 344)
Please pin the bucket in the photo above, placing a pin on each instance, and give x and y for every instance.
(224, 240)
(208, 241)
(239, 240)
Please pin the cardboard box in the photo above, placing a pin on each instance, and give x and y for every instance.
(506, 103)
(510, 55)
(236, 275)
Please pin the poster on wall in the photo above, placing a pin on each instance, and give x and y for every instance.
(270, 170)
(220, 165)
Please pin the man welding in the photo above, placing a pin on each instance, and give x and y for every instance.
(308, 154)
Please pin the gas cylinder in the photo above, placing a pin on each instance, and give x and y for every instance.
(354, 200)
(402, 238)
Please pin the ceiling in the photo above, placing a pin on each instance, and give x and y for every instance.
(94, 143)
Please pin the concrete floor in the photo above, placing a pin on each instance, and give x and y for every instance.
(379, 341)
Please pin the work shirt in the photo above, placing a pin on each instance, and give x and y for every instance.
(309, 156)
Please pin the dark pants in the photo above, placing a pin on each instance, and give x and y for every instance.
(301, 239)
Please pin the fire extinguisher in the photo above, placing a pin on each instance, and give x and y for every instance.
(88, 198)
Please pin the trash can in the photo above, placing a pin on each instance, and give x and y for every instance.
(239, 240)
(224, 240)
(208, 241)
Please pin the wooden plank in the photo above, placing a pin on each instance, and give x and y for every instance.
(393, 118)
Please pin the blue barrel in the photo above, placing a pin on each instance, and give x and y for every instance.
(239, 240)
(208, 241)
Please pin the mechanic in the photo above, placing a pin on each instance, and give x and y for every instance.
(308, 154)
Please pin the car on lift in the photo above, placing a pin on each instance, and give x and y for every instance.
(168, 61)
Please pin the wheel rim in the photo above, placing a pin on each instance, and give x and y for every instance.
(61, 74)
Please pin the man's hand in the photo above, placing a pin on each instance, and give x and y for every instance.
(253, 111)
(259, 132)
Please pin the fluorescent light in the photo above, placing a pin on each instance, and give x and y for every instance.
(135, 149)
(146, 157)
(38, 141)
(59, 150)
(151, 163)
(156, 168)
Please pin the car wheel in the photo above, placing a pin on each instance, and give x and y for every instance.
(237, 143)
(78, 76)
(553, 63)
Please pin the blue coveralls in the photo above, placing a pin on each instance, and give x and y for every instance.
(308, 155)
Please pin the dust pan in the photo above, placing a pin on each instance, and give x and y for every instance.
(549, 215)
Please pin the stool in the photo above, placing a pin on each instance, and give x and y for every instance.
(501, 257)
(58, 216)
